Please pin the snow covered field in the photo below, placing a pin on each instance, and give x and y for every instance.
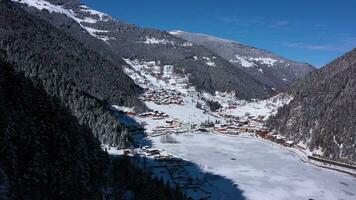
(260, 170)
(237, 167)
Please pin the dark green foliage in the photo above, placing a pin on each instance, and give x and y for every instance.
(44, 152)
(213, 105)
(323, 110)
(140, 182)
(83, 81)
(4, 184)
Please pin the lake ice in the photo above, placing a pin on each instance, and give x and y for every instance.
(260, 170)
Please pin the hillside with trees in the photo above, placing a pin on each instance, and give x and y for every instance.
(84, 81)
(46, 154)
(116, 39)
(322, 114)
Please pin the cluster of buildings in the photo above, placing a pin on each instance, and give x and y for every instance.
(237, 125)
(230, 129)
(163, 97)
(275, 137)
(176, 171)
(155, 115)
(172, 126)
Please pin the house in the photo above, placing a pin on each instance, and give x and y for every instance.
(262, 133)
(217, 126)
(232, 106)
(243, 129)
(131, 113)
(221, 130)
(289, 143)
(280, 139)
(169, 121)
(153, 151)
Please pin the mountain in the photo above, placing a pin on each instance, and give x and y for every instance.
(85, 82)
(115, 40)
(322, 114)
(46, 154)
(272, 70)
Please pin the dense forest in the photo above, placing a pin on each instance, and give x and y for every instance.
(84, 82)
(322, 113)
(46, 154)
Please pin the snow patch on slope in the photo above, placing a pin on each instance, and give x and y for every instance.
(264, 108)
(52, 8)
(209, 61)
(176, 32)
(102, 16)
(243, 61)
(152, 40)
(252, 62)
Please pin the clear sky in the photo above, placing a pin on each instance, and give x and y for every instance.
(313, 31)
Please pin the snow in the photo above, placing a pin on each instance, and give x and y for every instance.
(230, 167)
(187, 112)
(141, 73)
(243, 61)
(209, 61)
(252, 62)
(102, 16)
(176, 32)
(261, 170)
(52, 8)
(265, 107)
(123, 108)
(152, 40)
(266, 61)
(187, 44)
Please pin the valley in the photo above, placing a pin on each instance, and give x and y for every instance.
(227, 153)
(94, 107)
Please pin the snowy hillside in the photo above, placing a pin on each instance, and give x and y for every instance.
(271, 69)
(116, 39)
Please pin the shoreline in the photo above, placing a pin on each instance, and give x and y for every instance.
(302, 156)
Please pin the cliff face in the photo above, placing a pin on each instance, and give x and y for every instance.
(323, 111)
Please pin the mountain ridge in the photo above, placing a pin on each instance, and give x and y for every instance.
(271, 69)
(123, 40)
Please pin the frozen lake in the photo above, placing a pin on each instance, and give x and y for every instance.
(260, 170)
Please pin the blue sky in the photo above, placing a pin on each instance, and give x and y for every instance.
(313, 31)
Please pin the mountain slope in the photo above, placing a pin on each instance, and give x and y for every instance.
(270, 69)
(84, 81)
(115, 39)
(46, 154)
(322, 114)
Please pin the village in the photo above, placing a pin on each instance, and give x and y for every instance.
(178, 172)
(174, 112)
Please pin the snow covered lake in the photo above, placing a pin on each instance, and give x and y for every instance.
(258, 169)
